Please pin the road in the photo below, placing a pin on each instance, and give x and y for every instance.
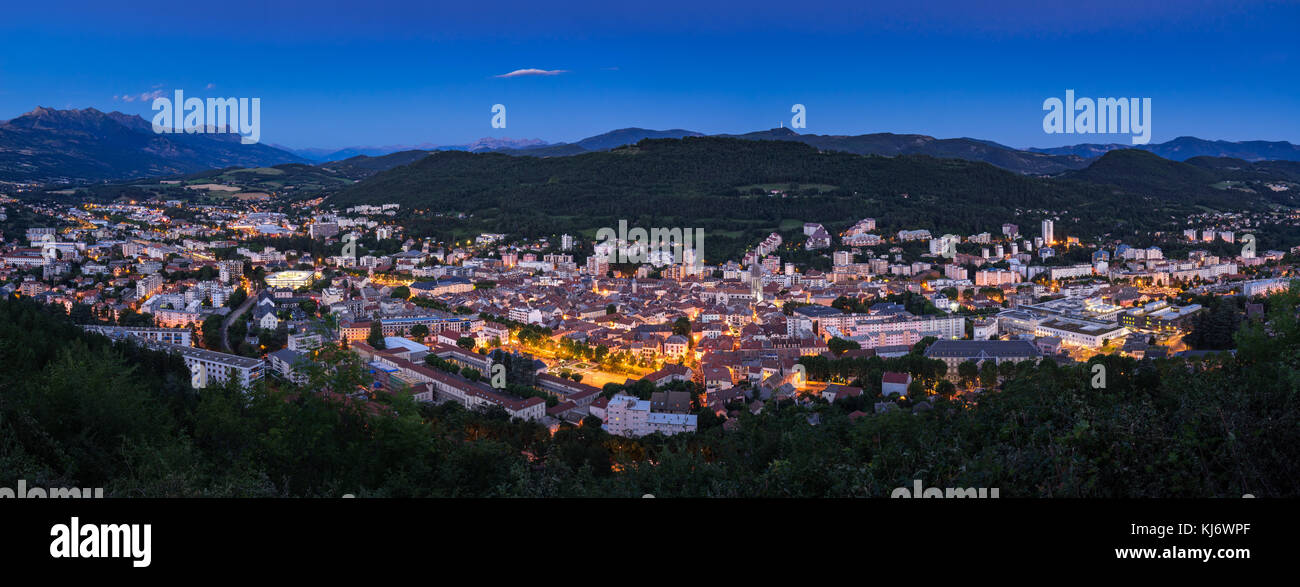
(225, 326)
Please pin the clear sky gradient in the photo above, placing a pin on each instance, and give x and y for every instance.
(381, 72)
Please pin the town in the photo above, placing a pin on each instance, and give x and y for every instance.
(248, 292)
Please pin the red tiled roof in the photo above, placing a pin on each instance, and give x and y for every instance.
(560, 408)
(891, 377)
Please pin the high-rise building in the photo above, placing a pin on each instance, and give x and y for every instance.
(228, 270)
(1048, 236)
(323, 229)
(996, 277)
(945, 245)
(148, 286)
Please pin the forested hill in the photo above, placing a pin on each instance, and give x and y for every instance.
(727, 184)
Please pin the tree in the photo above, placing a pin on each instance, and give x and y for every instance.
(1214, 328)
(988, 373)
(236, 298)
(327, 326)
(238, 329)
(81, 314)
(838, 345)
(419, 331)
(938, 369)
(682, 326)
(212, 331)
(968, 371)
(401, 292)
(376, 337)
(924, 343)
(466, 343)
(133, 318)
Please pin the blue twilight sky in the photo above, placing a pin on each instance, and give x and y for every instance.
(379, 72)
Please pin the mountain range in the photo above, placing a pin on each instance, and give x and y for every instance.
(483, 144)
(77, 146)
(1027, 161)
(1184, 148)
(73, 146)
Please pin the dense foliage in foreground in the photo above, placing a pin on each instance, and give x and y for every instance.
(79, 411)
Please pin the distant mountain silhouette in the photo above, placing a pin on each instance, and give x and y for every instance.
(602, 142)
(1052, 161)
(885, 144)
(1034, 161)
(362, 166)
(48, 145)
(483, 144)
(1184, 148)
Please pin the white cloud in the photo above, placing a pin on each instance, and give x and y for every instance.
(533, 71)
(143, 97)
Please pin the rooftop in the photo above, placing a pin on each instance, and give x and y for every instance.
(983, 349)
(204, 354)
